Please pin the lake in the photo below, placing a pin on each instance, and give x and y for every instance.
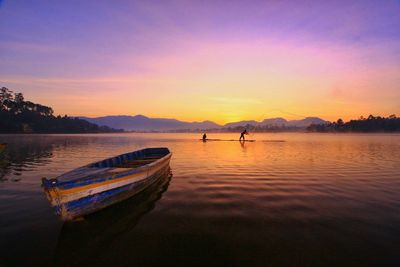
(291, 199)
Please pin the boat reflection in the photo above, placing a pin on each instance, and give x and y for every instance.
(86, 241)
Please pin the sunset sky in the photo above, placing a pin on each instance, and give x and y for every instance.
(204, 60)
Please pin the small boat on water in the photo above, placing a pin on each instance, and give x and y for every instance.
(100, 184)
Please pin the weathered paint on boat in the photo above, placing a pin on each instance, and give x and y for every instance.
(101, 184)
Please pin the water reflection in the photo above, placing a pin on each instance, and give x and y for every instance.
(21, 155)
(87, 241)
(25, 153)
(284, 200)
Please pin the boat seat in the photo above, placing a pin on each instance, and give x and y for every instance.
(135, 163)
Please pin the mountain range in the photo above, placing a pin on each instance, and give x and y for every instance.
(143, 123)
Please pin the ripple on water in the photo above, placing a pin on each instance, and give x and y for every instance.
(311, 200)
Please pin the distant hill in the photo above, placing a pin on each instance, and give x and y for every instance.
(279, 122)
(274, 121)
(240, 123)
(143, 123)
(306, 122)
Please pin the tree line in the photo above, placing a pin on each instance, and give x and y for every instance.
(369, 124)
(18, 115)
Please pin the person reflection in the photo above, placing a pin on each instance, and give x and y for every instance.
(242, 144)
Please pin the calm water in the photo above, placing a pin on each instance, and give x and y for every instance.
(312, 200)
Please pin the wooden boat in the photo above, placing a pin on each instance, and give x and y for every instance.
(100, 184)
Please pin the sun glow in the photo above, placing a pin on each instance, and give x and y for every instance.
(200, 73)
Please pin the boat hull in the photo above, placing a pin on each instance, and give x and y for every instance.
(98, 185)
(93, 203)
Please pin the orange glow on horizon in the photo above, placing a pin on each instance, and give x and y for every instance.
(225, 82)
(195, 62)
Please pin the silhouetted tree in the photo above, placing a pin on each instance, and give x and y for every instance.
(371, 124)
(18, 115)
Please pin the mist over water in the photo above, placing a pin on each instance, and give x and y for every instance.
(312, 200)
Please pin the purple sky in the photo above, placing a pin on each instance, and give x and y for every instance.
(78, 56)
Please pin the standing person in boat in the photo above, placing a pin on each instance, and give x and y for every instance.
(242, 134)
(204, 137)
